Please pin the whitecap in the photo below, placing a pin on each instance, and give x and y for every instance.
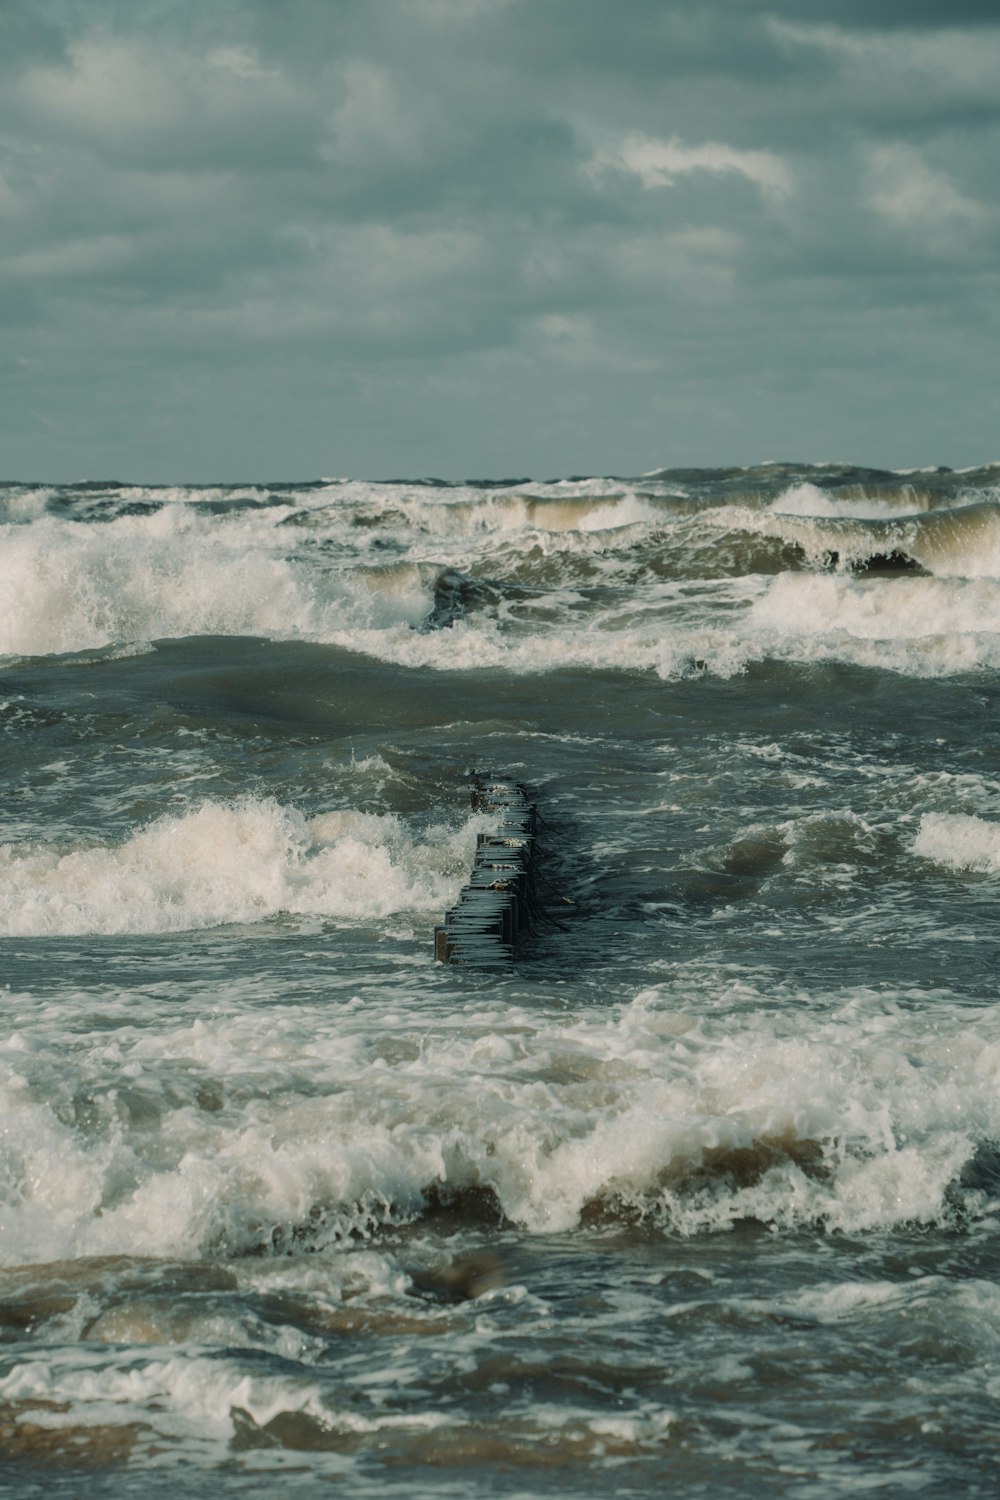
(959, 842)
(241, 862)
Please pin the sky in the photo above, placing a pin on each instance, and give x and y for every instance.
(277, 239)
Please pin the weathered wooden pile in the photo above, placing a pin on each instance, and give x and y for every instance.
(497, 906)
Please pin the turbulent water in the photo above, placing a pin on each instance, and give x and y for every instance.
(701, 1194)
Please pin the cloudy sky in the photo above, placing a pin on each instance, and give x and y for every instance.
(290, 238)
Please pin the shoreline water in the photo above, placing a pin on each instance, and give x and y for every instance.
(704, 1190)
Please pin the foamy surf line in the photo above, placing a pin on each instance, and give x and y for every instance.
(239, 862)
(651, 1114)
(924, 627)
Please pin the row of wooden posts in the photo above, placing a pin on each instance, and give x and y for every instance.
(497, 906)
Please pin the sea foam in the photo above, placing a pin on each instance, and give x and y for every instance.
(959, 842)
(231, 862)
(926, 626)
(70, 587)
(649, 1113)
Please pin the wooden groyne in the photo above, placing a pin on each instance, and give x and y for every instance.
(498, 905)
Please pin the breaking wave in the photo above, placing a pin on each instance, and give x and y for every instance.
(653, 1114)
(959, 542)
(223, 863)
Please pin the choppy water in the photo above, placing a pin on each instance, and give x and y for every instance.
(703, 1194)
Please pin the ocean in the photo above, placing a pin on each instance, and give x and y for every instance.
(697, 1195)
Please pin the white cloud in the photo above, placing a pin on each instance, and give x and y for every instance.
(657, 163)
(107, 84)
(947, 60)
(91, 256)
(908, 193)
(370, 123)
(125, 96)
(561, 327)
(576, 342)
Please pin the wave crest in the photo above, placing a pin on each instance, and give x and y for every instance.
(231, 863)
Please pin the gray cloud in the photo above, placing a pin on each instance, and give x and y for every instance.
(383, 236)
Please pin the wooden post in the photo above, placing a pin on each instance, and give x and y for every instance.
(497, 905)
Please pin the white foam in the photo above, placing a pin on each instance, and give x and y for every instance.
(183, 570)
(183, 1395)
(631, 510)
(924, 626)
(73, 587)
(182, 494)
(595, 487)
(807, 500)
(597, 507)
(837, 1302)
(237, 862)
(19, 506)
(655, 1109)
(958, 541)
(959, 842)
(927, 626)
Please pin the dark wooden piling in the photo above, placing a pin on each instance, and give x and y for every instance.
(496, 908)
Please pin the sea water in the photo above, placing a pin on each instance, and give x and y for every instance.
(700, 1195)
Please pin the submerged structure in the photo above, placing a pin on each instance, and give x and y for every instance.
(497, 906)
